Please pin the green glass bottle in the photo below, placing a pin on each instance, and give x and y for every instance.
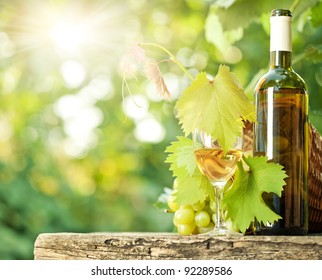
(281, 131)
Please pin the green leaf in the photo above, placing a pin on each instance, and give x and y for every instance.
(300, 7)
(191, 190)
(192, 186)
(217, 36)
(243, 12)
(181, 155)
(244, 202)
(312, 54)
(215, 106)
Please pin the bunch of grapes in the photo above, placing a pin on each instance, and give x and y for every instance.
(193, 219)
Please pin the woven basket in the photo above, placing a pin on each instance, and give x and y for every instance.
(315, 174)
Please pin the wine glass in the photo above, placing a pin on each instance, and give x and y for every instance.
(218, 166)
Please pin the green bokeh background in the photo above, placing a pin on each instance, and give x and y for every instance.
(73, 156)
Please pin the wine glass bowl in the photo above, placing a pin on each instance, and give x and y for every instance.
(218, 166)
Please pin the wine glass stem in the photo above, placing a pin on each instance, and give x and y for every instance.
(219, 222)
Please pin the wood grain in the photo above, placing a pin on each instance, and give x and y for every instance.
(165, 246)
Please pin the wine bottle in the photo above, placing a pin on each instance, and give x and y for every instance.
(281, 131)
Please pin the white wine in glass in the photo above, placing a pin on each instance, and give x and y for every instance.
(218, 166)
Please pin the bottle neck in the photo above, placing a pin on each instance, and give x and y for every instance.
(281, 39)
(281, 59)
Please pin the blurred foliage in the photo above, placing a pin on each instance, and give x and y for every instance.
(73, 155)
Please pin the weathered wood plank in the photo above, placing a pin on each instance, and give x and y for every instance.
(163, 246)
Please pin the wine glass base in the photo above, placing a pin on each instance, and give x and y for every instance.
(222, 232)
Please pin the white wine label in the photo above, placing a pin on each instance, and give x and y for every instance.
(281, 33)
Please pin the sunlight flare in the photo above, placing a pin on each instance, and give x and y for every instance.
(68, 36)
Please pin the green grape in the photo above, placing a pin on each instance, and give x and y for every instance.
(172, 204)
(186, 229)
(202, 218)
(184, 215)
(198, 206)
(213, 218)
(208, 210)
(230, 226)
(206, 229)
(212, 205)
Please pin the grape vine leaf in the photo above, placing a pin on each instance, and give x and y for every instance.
(217, 106)
(192, 186)
(243, 201)
(230, 16)
(182, 155)
(217, 36)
